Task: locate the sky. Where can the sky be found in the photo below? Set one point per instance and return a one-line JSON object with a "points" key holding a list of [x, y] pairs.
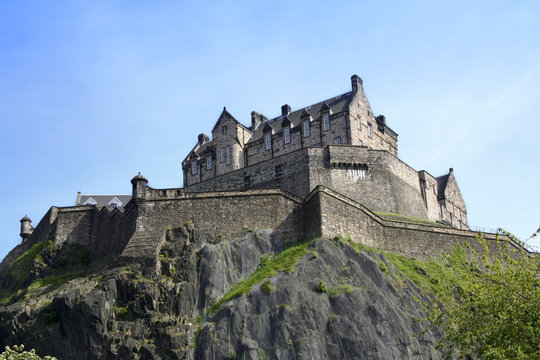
{"points": [[93, 92]]}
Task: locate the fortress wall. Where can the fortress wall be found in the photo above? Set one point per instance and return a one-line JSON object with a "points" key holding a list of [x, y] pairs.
{"points": [[227, 214], [387, 185], [73, 225], [41, 232], [343, 216], [288, 172], [111, 231]]}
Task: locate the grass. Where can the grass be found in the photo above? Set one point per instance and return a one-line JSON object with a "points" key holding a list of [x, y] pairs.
{"points": [[284, 261], [43, 284], [340, 289], [267, 288], [434, 276], [31, 261]]}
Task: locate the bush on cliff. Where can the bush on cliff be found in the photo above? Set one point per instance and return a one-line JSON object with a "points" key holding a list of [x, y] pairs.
{"points": [[496, 312], [18, 353]]}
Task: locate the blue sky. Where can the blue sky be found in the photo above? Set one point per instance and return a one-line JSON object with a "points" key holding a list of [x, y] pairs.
{"points": [[93, 92]]}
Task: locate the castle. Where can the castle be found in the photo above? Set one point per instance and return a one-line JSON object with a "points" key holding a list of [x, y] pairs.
{"points": [[337, 143], [326, 169]]}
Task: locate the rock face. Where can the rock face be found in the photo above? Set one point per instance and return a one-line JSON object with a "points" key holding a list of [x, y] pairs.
{"points": [[337, 303]]}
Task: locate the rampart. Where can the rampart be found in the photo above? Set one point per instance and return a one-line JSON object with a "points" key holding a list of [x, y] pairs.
{"points": [[136, 233]]}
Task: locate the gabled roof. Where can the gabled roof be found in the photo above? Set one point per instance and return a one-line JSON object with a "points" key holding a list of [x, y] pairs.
{"points": [[336, 104], [103, 200], [226, 114]]}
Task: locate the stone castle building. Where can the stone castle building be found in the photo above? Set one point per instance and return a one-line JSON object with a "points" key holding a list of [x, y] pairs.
{"points": [[323, 170], [337, 143]]}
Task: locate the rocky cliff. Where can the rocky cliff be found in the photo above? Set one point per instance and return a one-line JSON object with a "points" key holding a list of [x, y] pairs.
{"points": [[254, 297]]}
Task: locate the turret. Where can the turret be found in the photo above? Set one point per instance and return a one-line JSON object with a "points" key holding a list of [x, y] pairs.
{"points": [[139, 187], [26, 227]]}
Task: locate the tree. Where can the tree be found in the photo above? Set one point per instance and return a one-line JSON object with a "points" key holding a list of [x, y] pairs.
{"points": [[18, 353], [496, 314]]}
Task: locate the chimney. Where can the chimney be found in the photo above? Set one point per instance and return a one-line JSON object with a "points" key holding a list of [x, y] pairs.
{"points": [[256, 119], [203, 138], [356, 82], [285, 110]]}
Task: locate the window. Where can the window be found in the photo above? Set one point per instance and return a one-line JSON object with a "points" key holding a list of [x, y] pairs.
{"points": [[306, 128], [194, 167], [278, 171], [222, 155], [208, 163], [268, 141], [229, 155], [359, 124], [360, 142], [224, 129], [337, 140], [326, 121], [287, 134], [369, 130]]}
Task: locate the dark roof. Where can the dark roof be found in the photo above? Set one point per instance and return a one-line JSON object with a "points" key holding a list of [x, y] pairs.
{"points": [[336, 104], [103, 200]]}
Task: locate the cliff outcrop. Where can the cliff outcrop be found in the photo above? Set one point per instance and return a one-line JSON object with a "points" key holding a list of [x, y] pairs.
{"points": [[258, 296]]}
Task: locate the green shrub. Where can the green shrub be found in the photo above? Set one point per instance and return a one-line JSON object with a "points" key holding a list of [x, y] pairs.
{"points": [[267, 288], [322, 287]]}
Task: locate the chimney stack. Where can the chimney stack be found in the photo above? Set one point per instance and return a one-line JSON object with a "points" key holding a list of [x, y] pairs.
{"points": [[203, 138], [285, 110], [356, 82]]}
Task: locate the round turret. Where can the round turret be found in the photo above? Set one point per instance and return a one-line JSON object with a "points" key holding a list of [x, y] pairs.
{"points": [[26, 227], [139, 187]]}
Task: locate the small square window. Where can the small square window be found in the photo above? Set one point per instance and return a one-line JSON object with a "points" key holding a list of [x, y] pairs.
{"points": [[278, 171], [337, 140]]}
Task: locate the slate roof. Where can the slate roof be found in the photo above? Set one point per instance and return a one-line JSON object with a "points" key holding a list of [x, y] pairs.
{"points": [[336, 104], [442, 181], [103, 200]]}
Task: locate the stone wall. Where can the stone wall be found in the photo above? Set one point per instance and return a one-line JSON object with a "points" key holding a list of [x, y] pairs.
{"points": [[375, 178], [288, 172], [343, 216]]}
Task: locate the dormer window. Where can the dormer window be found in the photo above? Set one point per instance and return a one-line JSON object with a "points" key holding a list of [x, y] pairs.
{"points": [[306, 128], [287, 134], [326, 121], [268, 141], [115, 202], [209, 163], [194, 167]]}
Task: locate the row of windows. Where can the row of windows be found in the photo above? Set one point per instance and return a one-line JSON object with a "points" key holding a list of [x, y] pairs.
{"points": [[225, 156], [307, 132]]}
